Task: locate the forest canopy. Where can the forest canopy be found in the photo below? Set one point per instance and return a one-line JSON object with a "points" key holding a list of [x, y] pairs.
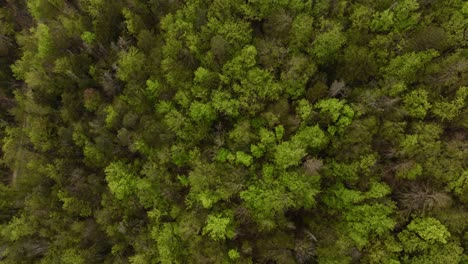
{"points": [[229, 131]]}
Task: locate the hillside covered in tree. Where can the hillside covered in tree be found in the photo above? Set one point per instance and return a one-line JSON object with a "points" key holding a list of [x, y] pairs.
{"points": [[234, 131]]}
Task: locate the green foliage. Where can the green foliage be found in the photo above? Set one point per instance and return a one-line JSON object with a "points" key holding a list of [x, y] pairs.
{"points": [[328, 43], [130, 64], [233, 254], [295, 78], [266, 203], [460, 186], [302, 187], [74, 205], [383, 21], [93, 155], [405, 67], [233, 131], [367, 219], [209, 184], [385, 250], [167, 244], [71, 256], [134, 22], [409, 171], [429, 229], [288, 154], [450, 110], [17, 228], [430, 239], [40, 134], [423, 232], [361, 17], [120, 179], [247, 80], [88, 37], [301, 31], [416, 103], [340, 113], [44, 41], [399, 18], [451, 253], [340, 197], [405, 14], [352, 172], [219, 227], [223, 102], [243, 158], [202, 112], [423, 143]]}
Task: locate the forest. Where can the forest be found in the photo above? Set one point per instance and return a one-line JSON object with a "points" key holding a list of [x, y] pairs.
{"points": [[233, 131]]}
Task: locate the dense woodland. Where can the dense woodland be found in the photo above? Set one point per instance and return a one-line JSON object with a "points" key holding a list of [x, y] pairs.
{"points": [[234, 131]]}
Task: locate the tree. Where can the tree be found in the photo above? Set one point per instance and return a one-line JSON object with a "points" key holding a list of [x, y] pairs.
{"points": [[219, 227], [130, 65], [328, 43], [426, 239], [416, 103], [406, 66], [450, 110], [340, 113], [301, 32], [121, 180]]}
